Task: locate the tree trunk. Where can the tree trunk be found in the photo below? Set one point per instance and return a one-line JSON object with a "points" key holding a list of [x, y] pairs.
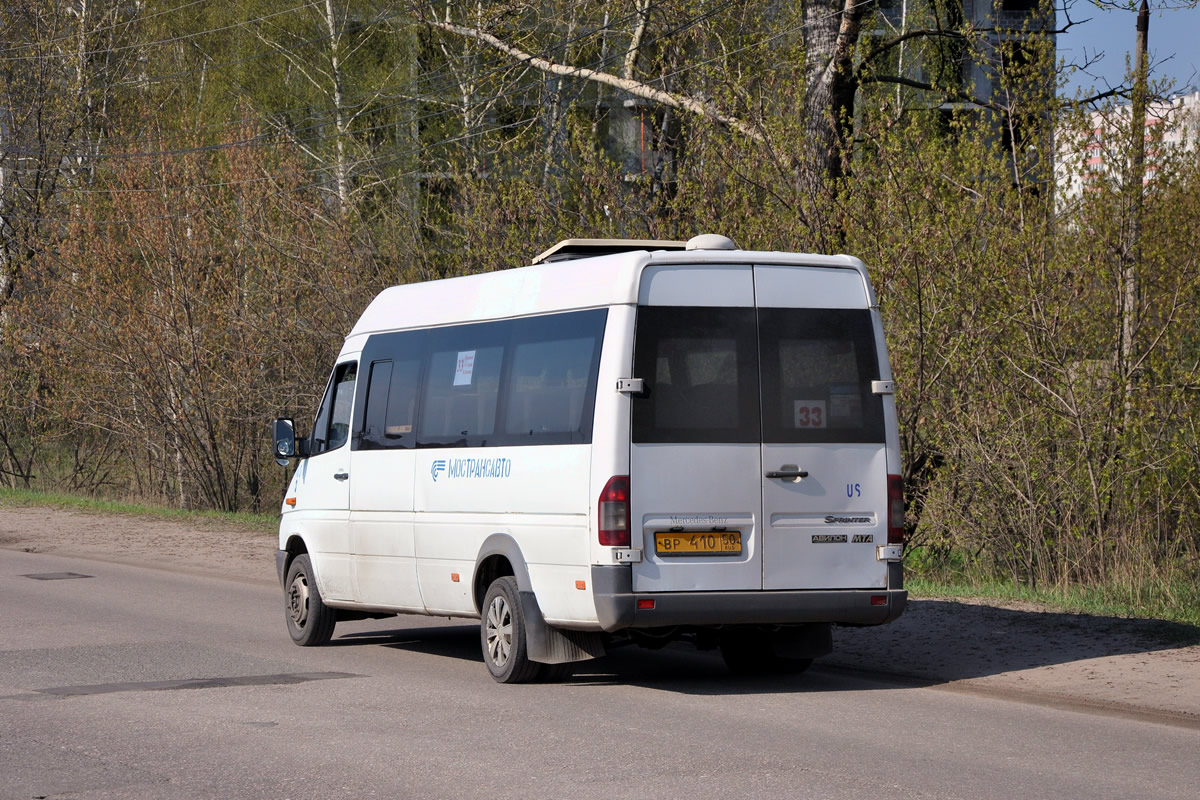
{"points": [[831, 32], [341, 170], [1135, 185]]}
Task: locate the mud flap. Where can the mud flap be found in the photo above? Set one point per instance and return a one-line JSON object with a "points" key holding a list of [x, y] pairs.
{"points": [[549, 645]]}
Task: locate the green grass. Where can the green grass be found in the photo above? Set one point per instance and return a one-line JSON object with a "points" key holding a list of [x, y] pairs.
{"points": [[25, 498], [1175, 601]]}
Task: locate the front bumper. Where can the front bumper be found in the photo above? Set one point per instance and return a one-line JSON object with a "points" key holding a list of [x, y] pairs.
{"points": [[617, 605]]}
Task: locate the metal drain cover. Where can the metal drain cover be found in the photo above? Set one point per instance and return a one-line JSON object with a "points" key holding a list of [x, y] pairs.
{"points": [[56, 576]]}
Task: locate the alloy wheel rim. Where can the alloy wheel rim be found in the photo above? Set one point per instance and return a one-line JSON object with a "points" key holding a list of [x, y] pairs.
{"points": [[498, 630]]}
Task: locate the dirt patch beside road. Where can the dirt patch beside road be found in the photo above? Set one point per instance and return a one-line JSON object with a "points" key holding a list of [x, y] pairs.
{"points": [[1072, 659], [1139, 666], [206, 548]]}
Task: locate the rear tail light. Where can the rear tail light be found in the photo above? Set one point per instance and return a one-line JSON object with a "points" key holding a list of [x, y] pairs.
{"points": [[613, 512], [895, 509]]}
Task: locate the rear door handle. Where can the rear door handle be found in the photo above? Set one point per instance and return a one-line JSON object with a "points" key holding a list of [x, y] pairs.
{"points": [[341, 476], [788, 473]]}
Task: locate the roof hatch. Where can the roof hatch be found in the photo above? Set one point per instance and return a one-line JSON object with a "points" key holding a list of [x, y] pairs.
{"points": [[569, 249], [586, 248]]}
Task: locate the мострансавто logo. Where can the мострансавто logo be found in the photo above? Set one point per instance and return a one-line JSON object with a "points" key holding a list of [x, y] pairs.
{"points": [[472, 468]]}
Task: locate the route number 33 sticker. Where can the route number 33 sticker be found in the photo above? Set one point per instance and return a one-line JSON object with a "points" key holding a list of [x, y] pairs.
{"points": [[810, 413]]}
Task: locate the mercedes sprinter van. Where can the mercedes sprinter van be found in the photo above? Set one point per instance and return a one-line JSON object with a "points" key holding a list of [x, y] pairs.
{"points": [[629, 441]]}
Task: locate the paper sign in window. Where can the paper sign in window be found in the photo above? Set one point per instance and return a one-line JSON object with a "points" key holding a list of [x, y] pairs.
{"points": [[464, 368], [845, 404]]}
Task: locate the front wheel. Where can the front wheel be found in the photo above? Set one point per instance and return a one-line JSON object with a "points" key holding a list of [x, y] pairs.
{"points": [[502, 634], [310, 622]]}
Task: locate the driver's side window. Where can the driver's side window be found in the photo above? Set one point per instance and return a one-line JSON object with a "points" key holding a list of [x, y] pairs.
{"points": [[331, 429]]}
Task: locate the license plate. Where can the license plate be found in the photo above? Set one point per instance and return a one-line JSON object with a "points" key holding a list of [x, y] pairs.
{"points": [[698, 543]]}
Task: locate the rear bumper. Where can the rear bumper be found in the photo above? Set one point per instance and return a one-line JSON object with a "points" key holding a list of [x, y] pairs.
{"points": [[616, 605]]}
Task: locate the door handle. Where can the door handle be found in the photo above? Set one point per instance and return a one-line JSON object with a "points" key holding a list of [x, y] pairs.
{"points": [[341, 476], [793, 474]]}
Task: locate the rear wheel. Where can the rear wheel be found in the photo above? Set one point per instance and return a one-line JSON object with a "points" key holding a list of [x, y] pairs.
{"points": [[750, 652], [310, 622], [502, 634]]}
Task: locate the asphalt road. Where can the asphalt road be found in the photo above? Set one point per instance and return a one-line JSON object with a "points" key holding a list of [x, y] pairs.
{"points": [[139, 683]]}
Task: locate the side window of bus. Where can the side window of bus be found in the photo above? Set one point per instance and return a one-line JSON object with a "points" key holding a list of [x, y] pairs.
{"points": [[548, 386], [461, 391], [379, 385], [332, 427], [390, 416], [485, 384]]}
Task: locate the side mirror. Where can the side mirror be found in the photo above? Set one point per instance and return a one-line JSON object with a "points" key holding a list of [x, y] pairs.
{"points": [[283, 437]]}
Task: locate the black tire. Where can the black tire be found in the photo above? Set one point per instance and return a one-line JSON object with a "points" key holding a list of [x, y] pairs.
{"points": [[502, 634], [310, 622], [749, 652]]}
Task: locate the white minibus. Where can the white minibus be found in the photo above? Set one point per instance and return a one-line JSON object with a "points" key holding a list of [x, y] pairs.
{"points": [[627, 442]]}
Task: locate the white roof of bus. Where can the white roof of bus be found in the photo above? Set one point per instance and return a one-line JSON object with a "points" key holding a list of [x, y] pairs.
{"points": [[594, 282]]}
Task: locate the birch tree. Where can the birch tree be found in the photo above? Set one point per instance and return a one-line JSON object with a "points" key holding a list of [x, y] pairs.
{"points": [[353, 59]]}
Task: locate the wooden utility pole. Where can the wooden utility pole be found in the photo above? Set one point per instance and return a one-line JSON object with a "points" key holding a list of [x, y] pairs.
{"points": [[1135, 183]]}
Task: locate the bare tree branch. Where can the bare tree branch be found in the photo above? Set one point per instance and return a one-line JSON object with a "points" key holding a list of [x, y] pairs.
{"points": [[929, 87], [636, 88]]}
